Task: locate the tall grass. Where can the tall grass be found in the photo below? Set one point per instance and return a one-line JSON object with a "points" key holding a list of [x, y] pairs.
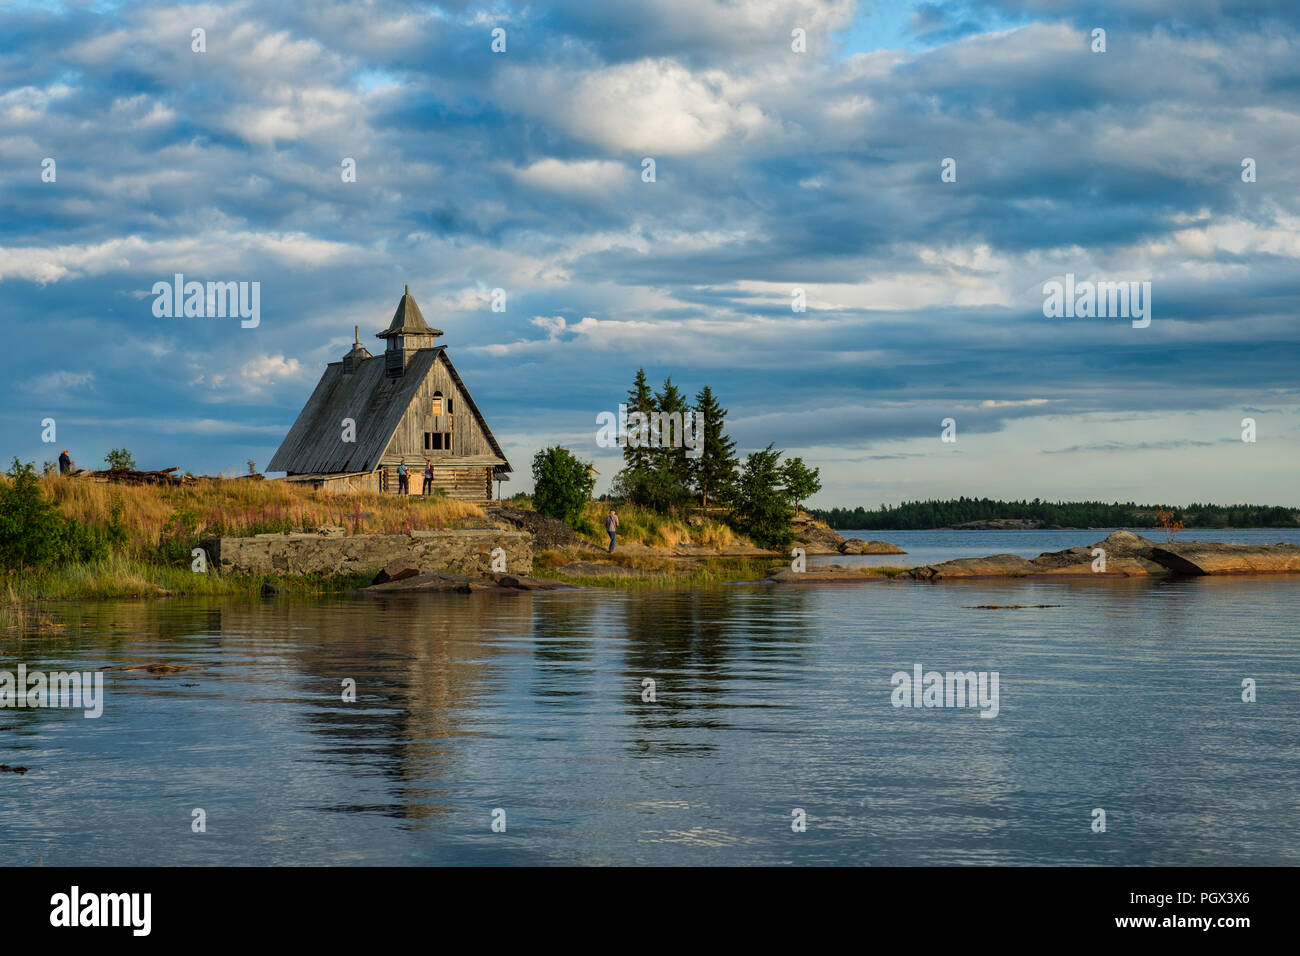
{"points": [[118, 576], [151, 530], [154, 515], [638, 525]]}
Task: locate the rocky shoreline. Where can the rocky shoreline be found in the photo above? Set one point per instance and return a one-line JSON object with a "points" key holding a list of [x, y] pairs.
{"points": [[408, 578], [1125, 555], [817, 537]]}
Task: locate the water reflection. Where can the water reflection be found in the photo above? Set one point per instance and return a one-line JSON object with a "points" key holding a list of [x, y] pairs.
{"points": [[1122, 693]]}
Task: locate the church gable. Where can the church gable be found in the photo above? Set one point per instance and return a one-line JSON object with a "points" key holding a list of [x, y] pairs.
{"points": [[368, 411], [442, 423]]}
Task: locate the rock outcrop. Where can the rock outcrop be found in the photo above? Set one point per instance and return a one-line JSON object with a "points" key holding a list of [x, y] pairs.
{"points": [[1126, 555], [829, 575], [396, 571], [858, 546], [443, 581], [1202, 557], [815, 537], [993, 566]]}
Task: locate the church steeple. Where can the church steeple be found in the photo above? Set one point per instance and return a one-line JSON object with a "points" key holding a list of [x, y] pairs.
{"points": [[406, 334]]}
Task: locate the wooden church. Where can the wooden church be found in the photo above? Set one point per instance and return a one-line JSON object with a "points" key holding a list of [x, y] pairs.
{"points": [[407, 405]]}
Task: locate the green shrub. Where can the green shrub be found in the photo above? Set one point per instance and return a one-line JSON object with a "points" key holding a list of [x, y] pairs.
{"points": [[761, 505], [34, 533], [120, 458], [561, 484], [179, 536]]}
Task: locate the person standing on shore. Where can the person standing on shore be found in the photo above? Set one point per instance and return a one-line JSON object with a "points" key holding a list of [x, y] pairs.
{"points": [[65, 463], [428, 477], [403, 479], [611, 525]]}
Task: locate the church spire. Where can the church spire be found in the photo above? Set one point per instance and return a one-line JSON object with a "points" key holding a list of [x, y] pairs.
{"points": [[406, 334]]}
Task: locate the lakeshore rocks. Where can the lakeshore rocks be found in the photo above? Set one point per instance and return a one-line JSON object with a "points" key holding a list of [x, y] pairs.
{"points": [[1127, 555], [828, 575], [815, 537], [443, 581], [1202, 557], [858, 546], [462, 551], [993, 566], [396, 571]]}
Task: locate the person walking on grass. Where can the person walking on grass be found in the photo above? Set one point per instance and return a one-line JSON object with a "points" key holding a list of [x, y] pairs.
{"points": [[611, 525], [65, 463], [403, 479], [428, 477]]}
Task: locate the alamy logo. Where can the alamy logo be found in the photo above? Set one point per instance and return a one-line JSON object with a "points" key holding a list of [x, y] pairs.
{"points": [[953, 689], [1103, 300], [216, 300], [103, 909], [652, 430], [58, 689]]}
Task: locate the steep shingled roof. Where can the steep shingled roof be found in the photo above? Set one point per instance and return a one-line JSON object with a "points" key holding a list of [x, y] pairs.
{"points": [[376, 403]]}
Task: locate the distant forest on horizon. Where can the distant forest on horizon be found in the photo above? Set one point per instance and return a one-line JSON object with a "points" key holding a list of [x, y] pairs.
{"points": [[924, 515]]}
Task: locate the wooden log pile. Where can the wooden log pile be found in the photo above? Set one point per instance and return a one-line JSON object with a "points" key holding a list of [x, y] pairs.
{"points": [[126, 476]]}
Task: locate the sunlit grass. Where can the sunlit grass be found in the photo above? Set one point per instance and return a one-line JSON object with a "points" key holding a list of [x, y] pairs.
{"points": [[239, 507]]}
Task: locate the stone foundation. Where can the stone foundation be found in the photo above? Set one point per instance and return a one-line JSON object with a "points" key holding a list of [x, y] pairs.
{"points": [[460, 552]]}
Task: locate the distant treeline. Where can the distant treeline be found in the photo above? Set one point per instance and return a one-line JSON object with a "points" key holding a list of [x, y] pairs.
{"points": [[918, 515]]}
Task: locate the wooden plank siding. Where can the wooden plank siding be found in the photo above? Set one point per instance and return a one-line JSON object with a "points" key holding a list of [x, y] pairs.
{"points": [[468, 435], [468, 483]]}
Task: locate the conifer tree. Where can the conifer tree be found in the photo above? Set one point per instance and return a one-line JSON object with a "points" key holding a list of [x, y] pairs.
{"points": [[639, 399], [713, 473]]}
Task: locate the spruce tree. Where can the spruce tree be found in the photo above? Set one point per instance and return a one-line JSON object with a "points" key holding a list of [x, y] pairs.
{"points": [[673, 467], [760, 504], [713, 473], [639, 399], [634, 481]]}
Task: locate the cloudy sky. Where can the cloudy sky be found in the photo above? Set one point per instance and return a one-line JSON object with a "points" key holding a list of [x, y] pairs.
{"points": [[775, 170]]}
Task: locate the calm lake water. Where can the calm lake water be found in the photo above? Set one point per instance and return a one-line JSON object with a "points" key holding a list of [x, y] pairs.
{"points": [[1126, 696]]}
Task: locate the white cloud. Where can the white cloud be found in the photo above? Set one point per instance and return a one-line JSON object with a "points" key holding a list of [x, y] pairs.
{"points": [[654, 106], [591, 176], [60, 382]]}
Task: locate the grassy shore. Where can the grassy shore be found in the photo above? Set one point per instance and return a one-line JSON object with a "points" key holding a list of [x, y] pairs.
{"points": [[650, 571], [641, 526], [155, 527], [155, 516]]}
